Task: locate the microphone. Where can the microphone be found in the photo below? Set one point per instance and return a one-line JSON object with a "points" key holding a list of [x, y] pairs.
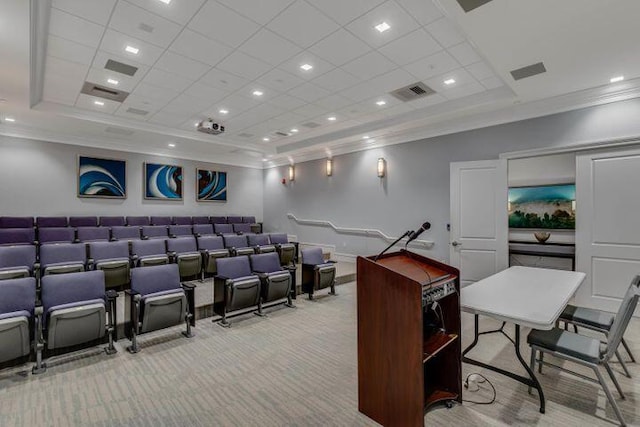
{"points": [[414, 234]]}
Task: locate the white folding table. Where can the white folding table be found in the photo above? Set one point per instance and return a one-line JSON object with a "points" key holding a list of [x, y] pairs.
{"points": [[524, 296]]}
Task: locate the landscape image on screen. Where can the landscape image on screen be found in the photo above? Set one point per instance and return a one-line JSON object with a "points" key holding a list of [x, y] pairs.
{"points": [[548, 207]]}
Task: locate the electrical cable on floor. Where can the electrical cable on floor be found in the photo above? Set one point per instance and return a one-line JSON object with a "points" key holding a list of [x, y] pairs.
{"points": [[484, 379]]}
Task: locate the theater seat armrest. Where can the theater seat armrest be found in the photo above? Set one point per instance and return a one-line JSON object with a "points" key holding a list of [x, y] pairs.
{"points": [[145, 238], [91, 264], [113, 239], [331, 261], [188, 286], [172, 256], [38, 311], [172, 236], [111, 294], [197, 234], [223, 278], [131, 292]]}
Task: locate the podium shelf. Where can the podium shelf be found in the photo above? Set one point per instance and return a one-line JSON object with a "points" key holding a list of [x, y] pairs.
{"points": [[436, 343], [438, 396]]}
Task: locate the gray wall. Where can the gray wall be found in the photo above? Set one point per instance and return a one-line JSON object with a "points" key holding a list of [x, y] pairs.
{"points": [[417, 185], [40, 178]]}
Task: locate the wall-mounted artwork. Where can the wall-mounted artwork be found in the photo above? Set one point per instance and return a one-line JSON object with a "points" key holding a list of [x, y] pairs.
{"points": [[104, 178], [211, 186], [162, 182], [547, 206]]}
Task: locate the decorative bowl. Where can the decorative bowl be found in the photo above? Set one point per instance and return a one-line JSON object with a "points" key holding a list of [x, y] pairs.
{"points": [[542, 236]]}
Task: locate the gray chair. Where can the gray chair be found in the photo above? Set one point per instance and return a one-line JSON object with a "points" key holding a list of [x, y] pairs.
{"points": [[286, 250], [316, 272], [261, 243], [155, 232], [157, 300], [202, 229], [235, 287], [18, 261], [149, 252], [112, 258], [16, 222], [62, 258], [242, 228], [184, 252], [237, 245], [161, 220], [93, 234], [50, 235], [180, 231], [587, 351], [128, 233], [275, 281], [17, 305], [182, 220], [83, 221], [212, 248], [223, 228], [17, 236], [112, 221], [75, 310], [138, 221]]}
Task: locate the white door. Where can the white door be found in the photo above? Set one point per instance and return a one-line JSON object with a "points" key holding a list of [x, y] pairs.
{"points": [[607, 231], [479, 223]]}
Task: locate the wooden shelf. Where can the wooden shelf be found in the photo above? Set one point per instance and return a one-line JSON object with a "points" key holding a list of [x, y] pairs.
{"points": [[435, 343], [438, 396]]}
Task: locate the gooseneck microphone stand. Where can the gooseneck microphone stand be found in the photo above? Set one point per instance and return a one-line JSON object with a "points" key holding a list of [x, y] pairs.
{"points": [[392, 244]]}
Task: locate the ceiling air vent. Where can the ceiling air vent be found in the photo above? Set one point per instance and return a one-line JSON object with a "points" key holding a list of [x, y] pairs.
{"points": [[245, 135], [311, 125], [145, 27], [469, 5], [121, 68], [119, 131], [281, 133], [528, 71], [104, 92], [137, 111], [413, 91]]}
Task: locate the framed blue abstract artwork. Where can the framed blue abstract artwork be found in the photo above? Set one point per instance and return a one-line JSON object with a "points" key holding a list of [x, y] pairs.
{"points": [[211, 186], [162, 182], [546, 207], [105, 178]]}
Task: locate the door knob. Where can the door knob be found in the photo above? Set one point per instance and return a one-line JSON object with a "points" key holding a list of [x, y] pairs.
{"points": [[454, 243]]}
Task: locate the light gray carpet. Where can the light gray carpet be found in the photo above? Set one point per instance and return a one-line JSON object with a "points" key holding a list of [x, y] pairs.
{"points": [[294, 368]]}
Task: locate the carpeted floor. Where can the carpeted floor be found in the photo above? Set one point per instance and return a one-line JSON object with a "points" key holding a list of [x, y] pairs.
{"points": [[296, 367]]}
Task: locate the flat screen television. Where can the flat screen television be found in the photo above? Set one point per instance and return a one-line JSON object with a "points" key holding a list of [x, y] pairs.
{"points": [[551, 207]]}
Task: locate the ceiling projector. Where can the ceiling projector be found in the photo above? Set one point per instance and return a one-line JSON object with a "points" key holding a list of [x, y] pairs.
{"points": [[210, 127]]}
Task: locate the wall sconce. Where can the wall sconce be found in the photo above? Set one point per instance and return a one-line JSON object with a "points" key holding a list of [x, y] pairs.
{"points": [[382, 167], [292, 173], [329, 167]]}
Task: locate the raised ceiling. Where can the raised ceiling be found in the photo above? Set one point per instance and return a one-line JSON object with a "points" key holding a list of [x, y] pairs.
{"points": [[180, 62]]}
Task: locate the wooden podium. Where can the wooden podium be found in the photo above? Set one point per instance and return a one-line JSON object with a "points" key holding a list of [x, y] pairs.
{"points": [[406, 362]]}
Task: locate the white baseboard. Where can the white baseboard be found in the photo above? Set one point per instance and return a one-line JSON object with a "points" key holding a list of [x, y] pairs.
{"points": [[344, 257]]}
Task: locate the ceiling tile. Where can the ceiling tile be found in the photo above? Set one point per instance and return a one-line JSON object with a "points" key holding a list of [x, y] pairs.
{"points": [[201, 90], [395, 110], [61, 88], [360, 92], [491, 82], [343, 11], [302, 24], [369, 65], [445, 33], [71, 27], [411, 47], [462, 91], [146, 103], [336, 80], [320, 66], [261, 11], [176, 11], [351, 112], [424, 11], [170, 81], [340, 47], [264, 112], [87, 102], [97, 11], [66, 68], [116, 42], [464, 53], [168, 119], [101, 76], [139, 106], [196, 46], [461, 76], [433, 65], [391, 81], [243, 65], [427, 101], [69, 50], [182, 66], [279, 80], [163, 95], [309, 92], [220, 23], [333, 102], [287, 102], [238, 104], [103, 57], [288, 121], [269, 47], [188, 103], [144, 25], [310, 110], [223, 80], [480, 70], [390, 12]]}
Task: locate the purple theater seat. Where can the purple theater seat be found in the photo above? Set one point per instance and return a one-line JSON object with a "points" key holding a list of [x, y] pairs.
{"points": [[17, 261], [242, 228], [182, 220], [185, 253], [249, 219], [56, 235], [149, 252], [200, 220], [112, 221], [155, 232], [125, 232], [17, 236], [51, 221], [223, 228], [138, 220], [234, 220], [113, 259], [161, 220], [202, 229], [83, 221], [218, 219], [17, 304], [16, 222], [180, 230], [93, 234], [62, 258]]}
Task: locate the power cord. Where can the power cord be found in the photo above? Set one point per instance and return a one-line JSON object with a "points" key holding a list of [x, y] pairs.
{"points": [[484, 379]]}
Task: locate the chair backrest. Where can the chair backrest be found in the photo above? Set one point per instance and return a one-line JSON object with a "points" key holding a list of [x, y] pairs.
{"points": [[223, 228], [59, 289], [125, 232], [160, 220], [182, 220], [235, 241], [93, 234], [153, 279], [17, 295], [138, 220], [56, 235], [62, 252], [18, 256], [218, 219], [235, 267], [623, 316], [83, 221], [155, 231], [258, 239], [200, 220], [312, 256], [112, 221], [17, 236], [100, 251], [234, 219], [278, 238], [148, 247], [51, 221], [180, 230], [16, 222], [242, 228], [265, 263], [182, 245], [202, 229], [210, 242], [249, 219]]}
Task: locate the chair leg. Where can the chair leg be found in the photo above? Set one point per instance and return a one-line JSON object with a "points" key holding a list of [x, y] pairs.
{"points": [[609, 396], [224, 322], [575, 328], [133, 348], [614, 379], [259, 312], [626, 347], [40, 367], [333, 288], [623, 365], [187, 319], [532, 364], [540, 362]]}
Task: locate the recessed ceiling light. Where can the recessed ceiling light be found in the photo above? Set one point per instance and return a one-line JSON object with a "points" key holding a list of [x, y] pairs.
{"points": [[264, 160], [132, 49], [196, 124], [112, 81], [617, 79], [294, 130], [100, 103], [370, 140], [449, 81], [166, 1], [223, 111], [382, 27], [266, 139], [381, 102], [9, 119], [306, 67], [365, 137], [258, 93], [172, 145], [331, 119]]}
